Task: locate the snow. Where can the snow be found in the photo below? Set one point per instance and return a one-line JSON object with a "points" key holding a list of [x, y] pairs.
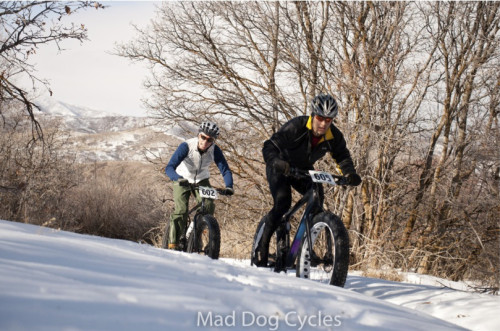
{"points": [[468, 309], [56, 280]]}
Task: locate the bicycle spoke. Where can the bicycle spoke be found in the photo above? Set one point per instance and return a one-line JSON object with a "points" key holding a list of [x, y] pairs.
{"points": [[328, 260], [319, 266]]}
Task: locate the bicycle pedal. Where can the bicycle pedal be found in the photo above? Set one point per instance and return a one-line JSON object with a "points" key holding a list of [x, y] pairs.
{"points": [[257, 260]]}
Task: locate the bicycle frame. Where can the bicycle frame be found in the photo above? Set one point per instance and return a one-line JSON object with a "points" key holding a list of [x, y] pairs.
{"points": [[292, 251], [320, 247], [200, 209], [304, 229]]}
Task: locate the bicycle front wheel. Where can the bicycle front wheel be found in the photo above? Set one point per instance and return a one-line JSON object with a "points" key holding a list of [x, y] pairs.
{"points": [[329, 259], [206, 241]]}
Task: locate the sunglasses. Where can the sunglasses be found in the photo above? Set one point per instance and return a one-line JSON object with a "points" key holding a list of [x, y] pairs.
{"points": [[323, 119], [206, 138]]}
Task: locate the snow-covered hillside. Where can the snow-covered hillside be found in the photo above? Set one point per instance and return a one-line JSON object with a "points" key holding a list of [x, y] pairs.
{"points": [[52, 106], [100, 136], [56, 280], [85, 120]]}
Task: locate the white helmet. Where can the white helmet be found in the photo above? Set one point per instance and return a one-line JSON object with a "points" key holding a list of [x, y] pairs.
{"points": [[210, 129]]}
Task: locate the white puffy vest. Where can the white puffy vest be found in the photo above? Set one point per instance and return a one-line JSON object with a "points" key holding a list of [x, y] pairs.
{"points": [[195, 166]]}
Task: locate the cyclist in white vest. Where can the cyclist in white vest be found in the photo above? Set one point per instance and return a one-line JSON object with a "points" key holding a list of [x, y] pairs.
{"points": [[190, 165]]}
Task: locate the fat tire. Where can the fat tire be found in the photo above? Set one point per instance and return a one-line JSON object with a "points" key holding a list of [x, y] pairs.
{"points": [[272, 248], [209, 223], [256, 238], [332, 225]]}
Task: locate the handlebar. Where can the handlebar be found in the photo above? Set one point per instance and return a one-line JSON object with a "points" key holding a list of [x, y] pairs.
{"points": [[220, 191], [301, 173]]}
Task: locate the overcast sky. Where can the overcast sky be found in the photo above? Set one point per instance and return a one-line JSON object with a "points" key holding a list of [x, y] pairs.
{"points": [[87, 74]]}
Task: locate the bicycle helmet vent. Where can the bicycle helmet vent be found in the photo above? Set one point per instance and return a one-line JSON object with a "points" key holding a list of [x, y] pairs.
{"points": [[324, 105], [210, 129]]}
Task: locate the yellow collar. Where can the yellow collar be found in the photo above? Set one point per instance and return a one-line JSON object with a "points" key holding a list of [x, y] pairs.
{"points": [[328, 135]]}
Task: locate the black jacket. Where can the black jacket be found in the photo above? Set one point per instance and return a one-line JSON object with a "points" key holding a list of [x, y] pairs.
{"points": [[292, 143]]}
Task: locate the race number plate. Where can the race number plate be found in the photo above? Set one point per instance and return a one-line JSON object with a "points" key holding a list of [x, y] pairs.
{"points": [[208, 192], [321, 177]]}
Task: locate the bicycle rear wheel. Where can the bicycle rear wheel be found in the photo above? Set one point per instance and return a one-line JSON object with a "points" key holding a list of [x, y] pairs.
{"points": [[207, 241], [329, 262], [271, 260]]}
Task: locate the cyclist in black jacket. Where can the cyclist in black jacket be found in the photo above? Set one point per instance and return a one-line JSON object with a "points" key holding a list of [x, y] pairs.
{"points": [[299, 143]]}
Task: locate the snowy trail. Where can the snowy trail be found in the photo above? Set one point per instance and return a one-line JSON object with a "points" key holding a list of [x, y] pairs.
{"points": [[56, 280]]}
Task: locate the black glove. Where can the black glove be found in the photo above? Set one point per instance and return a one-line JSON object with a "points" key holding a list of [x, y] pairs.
{"points": [[353, 179], [228, 191], [183, 182], [281, 166]]}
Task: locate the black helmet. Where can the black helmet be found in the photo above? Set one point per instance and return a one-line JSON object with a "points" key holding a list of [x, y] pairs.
{"points": [[210, 129], [324, 105]]}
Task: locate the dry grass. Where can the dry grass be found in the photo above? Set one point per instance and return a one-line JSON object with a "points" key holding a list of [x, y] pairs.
{"points": [[388, 274]]}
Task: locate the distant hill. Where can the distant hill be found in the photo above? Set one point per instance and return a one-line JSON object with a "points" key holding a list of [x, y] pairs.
{"points": [[52, 106], [101, 136]]}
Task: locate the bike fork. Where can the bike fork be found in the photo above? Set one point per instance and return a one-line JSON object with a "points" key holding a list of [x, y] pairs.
{"points": [[308, 219], [198, 214], [308, 236]]}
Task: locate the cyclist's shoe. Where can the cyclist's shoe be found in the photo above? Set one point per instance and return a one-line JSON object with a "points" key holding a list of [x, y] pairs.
{"points": [[259, 259], [182, 243], [281, 253], [258, 262], [279, 269], [280, 264]]}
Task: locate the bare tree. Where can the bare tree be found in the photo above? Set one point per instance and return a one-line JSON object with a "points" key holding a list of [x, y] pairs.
{"points": [[466, 48], [25, 26], [241, 64], [36, 175], [382, 66], [414, 83]]}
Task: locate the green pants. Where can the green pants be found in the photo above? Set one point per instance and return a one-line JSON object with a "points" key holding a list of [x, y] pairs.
{"points": [[179, 217]]}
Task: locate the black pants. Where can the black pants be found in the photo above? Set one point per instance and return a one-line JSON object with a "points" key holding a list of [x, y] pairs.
{"points": [[281, 191]]}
